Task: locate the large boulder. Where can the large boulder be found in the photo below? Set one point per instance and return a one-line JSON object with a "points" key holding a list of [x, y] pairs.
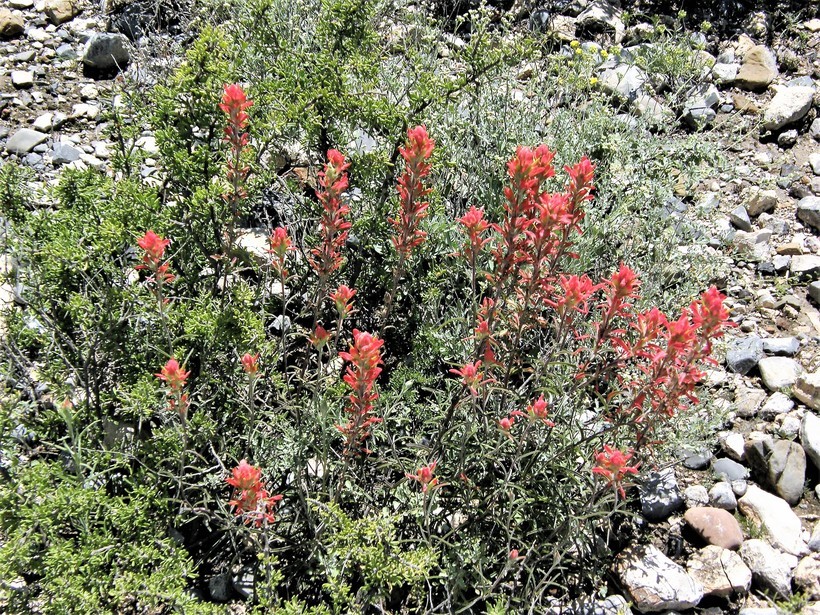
{"points": [[776, 517], [720, 571]]}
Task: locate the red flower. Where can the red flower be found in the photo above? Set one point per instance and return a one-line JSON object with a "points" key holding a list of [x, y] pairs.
{"points": [[538, 410], [611, 464], [576, 293], [250, 363], [154, 247], [471, 376], [279, 242], [173, 375], [234, 103], [342, 297], [506, 423], [245, 477], [424, 475], [319, 337], [412, 206]]}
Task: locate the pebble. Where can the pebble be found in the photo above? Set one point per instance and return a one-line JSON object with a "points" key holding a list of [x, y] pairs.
{"points": [[744, 354], [781, 346], [808, 211], [722, 496], [22, 79], [695, 496], [778, 403]]}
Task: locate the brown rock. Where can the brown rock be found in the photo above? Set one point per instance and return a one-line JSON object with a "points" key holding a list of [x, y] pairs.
{"points": [[60, 11], [758, 70], [807, 577], [716, 526], [11, 25], [807, 389], [720, 571]]}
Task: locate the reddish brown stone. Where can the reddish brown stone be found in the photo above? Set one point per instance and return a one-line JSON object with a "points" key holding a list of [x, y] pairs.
{"points": [[716, 526]]}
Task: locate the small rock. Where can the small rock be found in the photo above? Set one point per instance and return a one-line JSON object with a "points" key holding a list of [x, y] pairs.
{"points": [[660, 495], [771, 570], [778, 403], [788, 106], [806, 577], [739, 488], [814, 162], [814, 541], [740, 218], [814, 129], [11, 24], [810, 437], [760, 201], [624, 79], [786, 139], [601, 17], [720, 571], [807, 390], [219, 586], [716, 526], [748, 401], [733, 445], [814, 292], [63, 154], [779, 372], [722, 496], [24, 140], [724, 74], [781, 346], [787, 470], [727, 469], [654, 582], [808, 211], [758, 70], [44, 122], [22, 79], [776, 517], [105, 51], [695, 496], [60, 11], [744, 354]]}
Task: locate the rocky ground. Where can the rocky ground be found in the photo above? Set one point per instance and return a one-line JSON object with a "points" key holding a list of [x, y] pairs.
{"points": [[730, 523]]}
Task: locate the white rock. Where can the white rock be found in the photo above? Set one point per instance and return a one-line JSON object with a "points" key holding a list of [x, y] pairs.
{"points": [[779, 372], [720, 571], [788, 106], [814, 162], [778, 403], [654, 582], [771, 570], [776, 518], [806, 577], [44, 122], [810, 437], [807, 390], [733, 445], [22, 79]]}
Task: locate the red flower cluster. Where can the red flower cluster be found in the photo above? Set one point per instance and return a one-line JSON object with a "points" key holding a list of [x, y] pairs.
{"points": [[250, 364], [333, 227], [175, 378], [412, 207], [153, 247], [319, 337], [251, 499], [537, 411], [471, 377], [424, 476], [279, 245], [611, 464], [361, 374], [342, 299], [234, 104]]}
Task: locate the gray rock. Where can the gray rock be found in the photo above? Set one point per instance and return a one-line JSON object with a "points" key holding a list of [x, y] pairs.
{"points": [[695, 496], [601, 17], [654, 582], [720, 571], [24, 140], [624, 79], [727, 469], [814, 541], [696, 460], [778, 403], [808, 211], [105, 51], [744, 354], [814, 291], [814, 162], [781, 263], [810, 438], [22, 79], [788, 106], [62, 153], [725, 74], [758, 70], [722, 496], [740, 218], [67, 51], [776, 517], [698, 110], [739, 488], [807, 390], [781, 346], [651, 109], [771, 570], [660, 495], [814, 129], [243, 582], [779, 372], [787, 470], [219, 587]]}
